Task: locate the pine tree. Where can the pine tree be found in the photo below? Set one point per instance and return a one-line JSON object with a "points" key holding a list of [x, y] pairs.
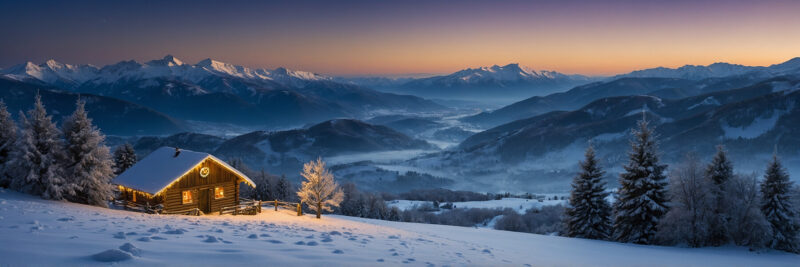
{"points": [[319, 190], [588, 214], [263, 190], [124, 158], [642, 199], [8, 139], [777, 207], [88, 161], [282, 188], [720, 171], [39, 154]]}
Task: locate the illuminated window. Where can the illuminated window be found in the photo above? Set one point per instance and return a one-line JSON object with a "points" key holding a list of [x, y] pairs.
{"points": [[134, 196], [219, 192], [187, 197]]}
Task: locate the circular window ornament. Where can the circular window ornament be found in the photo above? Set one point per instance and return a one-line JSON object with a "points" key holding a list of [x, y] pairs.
{"points": [[204, 172]]}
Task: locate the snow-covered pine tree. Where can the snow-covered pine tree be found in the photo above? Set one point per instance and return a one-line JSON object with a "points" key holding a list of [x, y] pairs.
{"points": [[124, 158], [282, 188], [319, 190], [777, 207], [8, 139], [39, 155], [720, 171], [588, 214], [263, 190], [88, 165], [642, 198]]}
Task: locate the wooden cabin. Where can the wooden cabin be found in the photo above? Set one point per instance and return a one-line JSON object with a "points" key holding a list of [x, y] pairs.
{"points": [[181, 180]]}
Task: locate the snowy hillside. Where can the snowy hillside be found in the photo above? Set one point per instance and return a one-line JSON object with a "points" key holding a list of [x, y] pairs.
{"points": [[39, 232]]}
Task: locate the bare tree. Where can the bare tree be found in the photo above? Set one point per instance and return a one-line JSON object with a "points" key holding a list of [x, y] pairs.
{"points": [[319, 190], [690, 219]]}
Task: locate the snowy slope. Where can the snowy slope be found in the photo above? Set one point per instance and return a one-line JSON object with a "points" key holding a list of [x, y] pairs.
{"points": [[39, 232]]}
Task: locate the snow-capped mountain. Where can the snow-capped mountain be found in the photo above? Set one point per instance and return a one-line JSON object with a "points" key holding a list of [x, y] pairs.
{"points": [[716, 70], [496, 82], [215, 91], [750, 121], [52, 72], [661, 82]]}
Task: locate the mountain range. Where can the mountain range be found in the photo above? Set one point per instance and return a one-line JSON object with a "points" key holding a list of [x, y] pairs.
{"points": [[496, 83], [214, 91], [665, 83]]}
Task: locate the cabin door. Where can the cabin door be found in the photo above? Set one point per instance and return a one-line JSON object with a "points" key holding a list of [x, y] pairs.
{"points": [[204, 202]]}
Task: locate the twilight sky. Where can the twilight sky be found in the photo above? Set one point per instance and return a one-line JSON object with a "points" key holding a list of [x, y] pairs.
{"points": [[404, 37]]}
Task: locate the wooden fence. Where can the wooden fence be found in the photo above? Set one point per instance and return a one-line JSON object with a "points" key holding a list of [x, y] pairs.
{"points": [[286, 205], [133, 206], [245, 207]]}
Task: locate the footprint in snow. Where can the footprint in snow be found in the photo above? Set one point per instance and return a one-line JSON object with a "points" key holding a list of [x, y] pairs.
{"points": [[487, 251], [143, 239], [327, 239], [112, 255], [178, 231], [338, 251], [264, 235], [310, 237], [253, 236], [119, 235], [334, 233], [273, 241], [211, 239], [130, 248], [300, 243], [157, 238], [312, 243], [394, 237], [65, 219]]}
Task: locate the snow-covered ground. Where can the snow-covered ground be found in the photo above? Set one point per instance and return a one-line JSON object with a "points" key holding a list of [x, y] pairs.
{"points": [[520, 205], [39, 232]]}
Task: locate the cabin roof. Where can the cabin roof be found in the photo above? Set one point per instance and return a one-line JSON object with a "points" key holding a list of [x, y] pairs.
{"points": [[161, 168]]}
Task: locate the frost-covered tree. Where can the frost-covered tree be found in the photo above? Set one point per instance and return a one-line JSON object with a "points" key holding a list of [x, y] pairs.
{"points": [[777, 207], [124, 158], [719, 171], [642, 198], [39, 155], [588, 214], [691, 216], [8, 139], [88, 165], [282, 188], [319, 190], [746, 224]]}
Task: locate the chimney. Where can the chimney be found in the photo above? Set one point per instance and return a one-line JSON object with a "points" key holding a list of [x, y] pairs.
{"points": [[177, 152]]}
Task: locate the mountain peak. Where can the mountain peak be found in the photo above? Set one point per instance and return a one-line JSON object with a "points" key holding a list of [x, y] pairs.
{"points": [[168, 60]]}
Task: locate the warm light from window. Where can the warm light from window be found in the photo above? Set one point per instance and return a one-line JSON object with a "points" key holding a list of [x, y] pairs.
{"points": [[187, 197], [219, 192], [134, 196]]}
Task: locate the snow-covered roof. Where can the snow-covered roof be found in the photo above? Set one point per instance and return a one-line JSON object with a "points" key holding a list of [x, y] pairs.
{"points": [[161, 168]]}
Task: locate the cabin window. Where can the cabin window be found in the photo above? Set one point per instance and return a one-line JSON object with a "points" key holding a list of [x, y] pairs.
{"points": [[219, 192], [134, 196], [187, 197]]}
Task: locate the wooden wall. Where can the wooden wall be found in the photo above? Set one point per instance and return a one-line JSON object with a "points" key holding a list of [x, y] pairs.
{"points": [[219, 176]]}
